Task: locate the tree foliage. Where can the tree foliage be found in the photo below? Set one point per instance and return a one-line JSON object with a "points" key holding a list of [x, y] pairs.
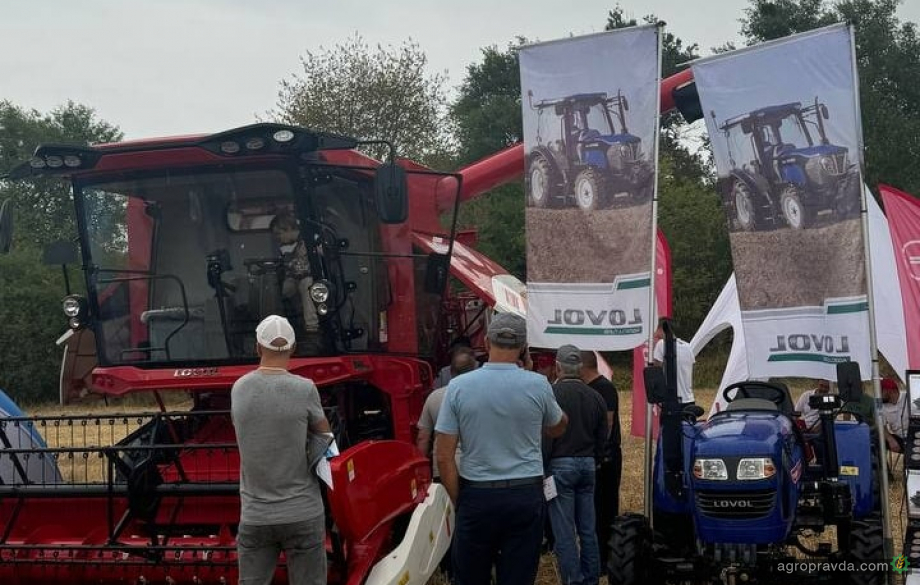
{"points": [[888, 60], [44, 207], [382, 93]]}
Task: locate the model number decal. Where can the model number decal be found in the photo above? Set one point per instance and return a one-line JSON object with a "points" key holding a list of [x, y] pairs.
{"points": [[194, 372]]}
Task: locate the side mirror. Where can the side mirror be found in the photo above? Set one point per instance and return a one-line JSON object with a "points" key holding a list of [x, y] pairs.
{"points": [[824, 112], [625, 103], [849, 381], [656, 388], [60, 253], [391, 192], [437, 270], [6, 226]]}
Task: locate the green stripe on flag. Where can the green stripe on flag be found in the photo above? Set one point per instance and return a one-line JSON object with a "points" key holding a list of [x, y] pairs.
{"points": [[593, 330], [809, 357], [627, 284], [851, 308]]}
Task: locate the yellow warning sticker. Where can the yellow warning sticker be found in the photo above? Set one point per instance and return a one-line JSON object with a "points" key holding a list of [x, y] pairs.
{"points": [[351, 469], [849, 470], [404, 579]]}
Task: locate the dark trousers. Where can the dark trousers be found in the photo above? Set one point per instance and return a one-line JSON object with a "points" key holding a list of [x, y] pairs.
{"points": [[501, 527], [607, 500]]}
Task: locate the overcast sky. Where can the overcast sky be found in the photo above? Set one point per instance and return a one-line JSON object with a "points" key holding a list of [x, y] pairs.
{"points": [[161, 67]]}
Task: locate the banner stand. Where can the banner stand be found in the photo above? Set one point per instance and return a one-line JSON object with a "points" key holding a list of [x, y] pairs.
{"points": [[653, 299], [888, 543]]}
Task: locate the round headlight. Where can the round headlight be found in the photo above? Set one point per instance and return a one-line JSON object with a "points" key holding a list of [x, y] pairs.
{"points": [[54, 161], [72, 161], [37, 163], [283, 136], [74, 323], [72, 306], [322, 309], [319, 292], [255, 143], [229, 147]]}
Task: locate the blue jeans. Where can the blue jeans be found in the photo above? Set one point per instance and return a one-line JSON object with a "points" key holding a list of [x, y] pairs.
{"points": [[571, 513]]}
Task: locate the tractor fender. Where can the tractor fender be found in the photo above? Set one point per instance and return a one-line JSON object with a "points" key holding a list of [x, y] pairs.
{"points": [[760, 188], [550, 157]]}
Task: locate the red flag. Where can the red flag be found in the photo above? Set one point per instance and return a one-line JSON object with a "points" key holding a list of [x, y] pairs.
{"points": [[903, 212], [640, 354]]}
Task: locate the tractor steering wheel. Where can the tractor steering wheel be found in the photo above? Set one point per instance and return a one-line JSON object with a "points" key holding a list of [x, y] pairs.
{"points": [[772, 392]]}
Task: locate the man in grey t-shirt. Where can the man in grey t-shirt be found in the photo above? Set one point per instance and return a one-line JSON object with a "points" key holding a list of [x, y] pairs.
{"points": [[274, 413]]}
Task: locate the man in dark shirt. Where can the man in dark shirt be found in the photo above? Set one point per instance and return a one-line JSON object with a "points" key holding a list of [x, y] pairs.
{"points": [[572, 460], [608, 473]]}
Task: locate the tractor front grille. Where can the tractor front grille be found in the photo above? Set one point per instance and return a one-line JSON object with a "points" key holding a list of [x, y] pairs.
{"points": [[736, 505]]}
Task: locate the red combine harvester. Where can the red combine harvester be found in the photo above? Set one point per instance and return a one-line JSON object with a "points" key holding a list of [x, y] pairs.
{"points": [[180, 263]]}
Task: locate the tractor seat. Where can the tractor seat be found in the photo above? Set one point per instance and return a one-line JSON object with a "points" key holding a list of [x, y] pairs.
{"points": [[761, 404]]}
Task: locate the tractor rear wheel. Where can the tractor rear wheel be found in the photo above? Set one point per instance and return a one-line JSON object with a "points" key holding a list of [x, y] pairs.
{"points": [[866, 546], [797, 215], [745, 207], [543, 182], [630, 543], [589, 189]]}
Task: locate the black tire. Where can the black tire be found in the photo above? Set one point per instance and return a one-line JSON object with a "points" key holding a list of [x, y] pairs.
{"points": [[797, 214], [630, 544], [589, 189], [866, 545], [745, 205], [542, 182]]}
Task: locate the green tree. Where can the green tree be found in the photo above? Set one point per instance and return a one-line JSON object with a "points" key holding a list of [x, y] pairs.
{"points": [[381, 93], [888, 60], [44, 207], [487, 116]]}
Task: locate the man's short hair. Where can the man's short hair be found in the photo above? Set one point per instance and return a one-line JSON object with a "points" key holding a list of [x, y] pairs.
{"points": [[507, 331], [462, 361], [589, 359]]}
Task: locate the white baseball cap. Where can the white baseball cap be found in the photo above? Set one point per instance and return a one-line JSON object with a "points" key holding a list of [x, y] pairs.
{"points": [[272, 328]]}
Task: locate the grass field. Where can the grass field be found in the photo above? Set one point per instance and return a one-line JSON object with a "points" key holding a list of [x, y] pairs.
{"points": [[631, 491]]}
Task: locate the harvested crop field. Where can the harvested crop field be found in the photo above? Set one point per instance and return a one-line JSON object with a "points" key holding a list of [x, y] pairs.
{"points": [[569, 245], [800, 267]]}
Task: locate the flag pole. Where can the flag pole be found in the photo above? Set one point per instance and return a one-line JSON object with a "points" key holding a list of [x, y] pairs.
{"points": [[888, 545], [653, 313]]}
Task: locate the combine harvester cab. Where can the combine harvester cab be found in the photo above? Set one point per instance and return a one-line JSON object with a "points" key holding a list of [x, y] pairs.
{"points": [[186, 244]]}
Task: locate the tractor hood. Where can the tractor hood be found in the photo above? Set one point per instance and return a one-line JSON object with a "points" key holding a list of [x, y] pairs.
{"points": [[740, 433], [813, 151], [618, 139]]}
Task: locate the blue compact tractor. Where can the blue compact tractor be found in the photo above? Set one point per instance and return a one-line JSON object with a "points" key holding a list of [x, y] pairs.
{"points": [[592, 160], [785, 171], [736, 497]]}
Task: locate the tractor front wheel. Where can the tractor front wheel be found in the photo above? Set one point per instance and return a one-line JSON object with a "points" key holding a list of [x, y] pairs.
{"points": [[797, 215], [630, 544], [866, 546], [543, 180], [589, 189]]}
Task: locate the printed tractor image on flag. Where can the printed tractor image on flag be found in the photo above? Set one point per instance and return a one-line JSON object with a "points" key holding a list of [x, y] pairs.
{"points": [[784, 169], [592, 161]]}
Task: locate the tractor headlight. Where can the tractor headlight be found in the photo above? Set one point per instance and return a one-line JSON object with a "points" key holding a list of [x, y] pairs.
{"points": [[756, 468], [816, 169], [319, 292], [73, 306], [710, 469]]}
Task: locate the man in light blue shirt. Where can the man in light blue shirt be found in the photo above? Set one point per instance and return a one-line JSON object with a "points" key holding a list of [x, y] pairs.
{"points": [[499, 412]]}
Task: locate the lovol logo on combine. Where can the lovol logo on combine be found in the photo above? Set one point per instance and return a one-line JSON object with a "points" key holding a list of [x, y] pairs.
{"points": [[588, 322], [802, 347]]}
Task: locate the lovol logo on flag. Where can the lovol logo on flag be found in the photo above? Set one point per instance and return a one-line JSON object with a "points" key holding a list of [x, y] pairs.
{"points": [[590, 138], [787, 145]]}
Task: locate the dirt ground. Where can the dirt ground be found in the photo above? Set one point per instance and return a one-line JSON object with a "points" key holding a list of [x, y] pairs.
{"points": [[569, 245], [799, 267]]}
